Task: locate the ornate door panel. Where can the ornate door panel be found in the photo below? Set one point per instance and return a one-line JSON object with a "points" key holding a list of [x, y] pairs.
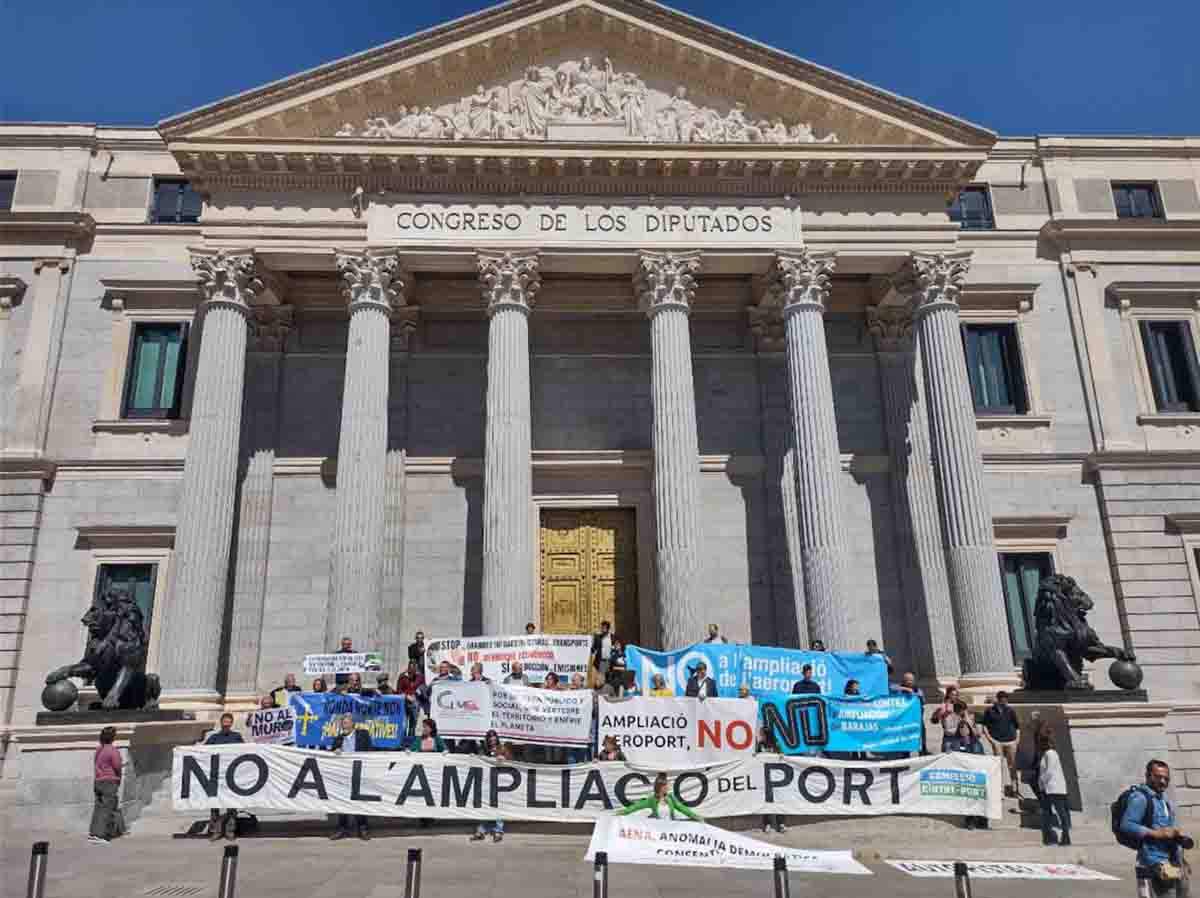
{"points": [[589, 571]]}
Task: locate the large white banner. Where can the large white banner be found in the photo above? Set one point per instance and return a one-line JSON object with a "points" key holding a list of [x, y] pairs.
{"points": [[1000, 870], [407, 784], [672, 843], [679, 732], [565, 655], [467, 710]]}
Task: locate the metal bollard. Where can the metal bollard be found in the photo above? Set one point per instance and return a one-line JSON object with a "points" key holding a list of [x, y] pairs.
{"points": [[37, 870], [228, 885], [600, 876], [783, 888], [412, 877], [962, 880]]}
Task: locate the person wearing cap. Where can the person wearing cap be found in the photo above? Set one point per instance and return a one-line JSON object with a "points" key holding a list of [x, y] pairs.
{"points": [[382, 686]]}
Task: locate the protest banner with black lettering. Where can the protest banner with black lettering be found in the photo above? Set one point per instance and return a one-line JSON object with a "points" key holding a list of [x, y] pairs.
{"points": [[319, 714], [678, 732], [674, 843], [271, 726], [761, 669], [449, 786], [333, 663], [806, 723], [467, 710], [539, 655], [1000, 870]]}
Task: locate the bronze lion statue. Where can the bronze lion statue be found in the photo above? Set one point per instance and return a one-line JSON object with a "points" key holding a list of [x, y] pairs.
{"points": [[1063, 639], [115, 656]]}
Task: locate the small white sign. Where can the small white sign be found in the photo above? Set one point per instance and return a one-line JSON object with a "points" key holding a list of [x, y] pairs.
{"points": [[271, 726], [1000, 870], [673, 226], [333, 663]]}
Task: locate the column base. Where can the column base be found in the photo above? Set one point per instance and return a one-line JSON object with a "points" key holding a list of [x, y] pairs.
{"points": [[980, 688], [240, 701], [207, 704]]}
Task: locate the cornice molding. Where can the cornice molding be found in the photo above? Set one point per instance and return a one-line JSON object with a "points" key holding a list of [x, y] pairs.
{"points": [[1081, 233], [137, 293], [62, 227]]}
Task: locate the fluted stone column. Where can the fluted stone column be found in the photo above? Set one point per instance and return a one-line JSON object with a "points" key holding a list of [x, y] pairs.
{"points": [[12, 289], [665, 284], [195, 612], [509, 281], [375, 284], [979, 615], [914, 495], [799, 284]]}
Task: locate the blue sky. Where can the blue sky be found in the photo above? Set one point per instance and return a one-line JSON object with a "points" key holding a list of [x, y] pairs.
{"points": [[1017, 67]]}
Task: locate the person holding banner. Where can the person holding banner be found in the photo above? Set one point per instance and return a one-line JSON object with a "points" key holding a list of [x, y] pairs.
{"points": [[610, 750], [429, 740], [351, 741], [492, 749], [318, 685], [661, 804], [602, 644], [346, 649], [701, 685], [411, 685], [766, 745]]}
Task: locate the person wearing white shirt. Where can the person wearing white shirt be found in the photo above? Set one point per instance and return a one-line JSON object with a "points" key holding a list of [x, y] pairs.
{"points": [[1052, 783]]}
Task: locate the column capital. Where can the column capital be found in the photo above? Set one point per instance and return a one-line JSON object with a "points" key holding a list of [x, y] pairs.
{"points": [[374, 280], [269, 328], [891, 327], [800, 279], [509, 279], [665, 279], [227, 277], [934, 279]]}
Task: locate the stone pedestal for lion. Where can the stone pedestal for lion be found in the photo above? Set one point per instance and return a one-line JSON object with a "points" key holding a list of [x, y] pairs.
{"points": [[49, 767]]}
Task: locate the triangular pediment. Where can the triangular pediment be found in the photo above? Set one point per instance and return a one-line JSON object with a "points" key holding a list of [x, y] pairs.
{"points": [[575, 71]]}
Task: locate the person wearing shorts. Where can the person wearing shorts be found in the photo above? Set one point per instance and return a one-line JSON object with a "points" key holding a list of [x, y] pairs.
{"points": [[1003, 731]]}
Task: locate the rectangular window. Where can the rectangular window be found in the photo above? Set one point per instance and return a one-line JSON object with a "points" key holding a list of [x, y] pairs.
{"points": [[157, 360], [994, 367], [972, 209], [1020, 574], [8, 186], [1171, 358], [1136, 201], [137, 579], [175, 202]]}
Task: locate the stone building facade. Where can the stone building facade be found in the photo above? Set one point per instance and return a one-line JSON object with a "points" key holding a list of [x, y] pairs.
{"points": [[584, 309]]}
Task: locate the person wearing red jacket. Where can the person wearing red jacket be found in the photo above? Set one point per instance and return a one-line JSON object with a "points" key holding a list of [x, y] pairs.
{"points": [[412, 686]]}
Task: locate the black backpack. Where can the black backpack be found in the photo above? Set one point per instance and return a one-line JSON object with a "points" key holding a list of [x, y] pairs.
{"points": [[1117, 810]]}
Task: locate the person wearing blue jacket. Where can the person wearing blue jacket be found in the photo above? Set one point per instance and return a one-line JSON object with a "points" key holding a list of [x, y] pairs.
{"points": [[1150, 820]]}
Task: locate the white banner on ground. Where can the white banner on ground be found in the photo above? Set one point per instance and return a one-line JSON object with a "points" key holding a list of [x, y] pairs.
{"points": [[643, 840], [333, 663], [448, 786], [679, 732], [565, 655], [1000, 870], [271, 726], [467, 710]]}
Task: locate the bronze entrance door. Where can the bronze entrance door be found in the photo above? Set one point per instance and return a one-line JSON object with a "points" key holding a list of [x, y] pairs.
{"points": [[589, 571]]}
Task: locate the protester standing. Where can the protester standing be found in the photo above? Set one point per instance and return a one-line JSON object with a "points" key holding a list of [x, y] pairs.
{"points": [[491, 749], [806, 685], [700, 685], [351, 741], [429, 740], [873, 649], [602, 650], [610, 750], [530, 629], [411, 685], [416, 652], [382, 686], [908, 686], [714, 634], [946, 715], [280, 695], [661, 803], [217, 825], [1052, 791], [106, 786], [516, 675], [816, 646], [318, 685], [966, 739], [1149, 822], [659, 688], [1003, 732], [347, 648]]}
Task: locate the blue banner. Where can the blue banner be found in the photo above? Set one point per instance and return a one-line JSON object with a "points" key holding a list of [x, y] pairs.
{"points": [[805, 724], [318, 718], [763, 669]]}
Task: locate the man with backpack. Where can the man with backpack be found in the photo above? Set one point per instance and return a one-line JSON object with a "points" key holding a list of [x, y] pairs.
{"points": [[1143, 818]]}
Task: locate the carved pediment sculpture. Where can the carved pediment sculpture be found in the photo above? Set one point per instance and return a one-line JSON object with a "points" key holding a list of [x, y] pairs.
{"points": [[548, 101]]}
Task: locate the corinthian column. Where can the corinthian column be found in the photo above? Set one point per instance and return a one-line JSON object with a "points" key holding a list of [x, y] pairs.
{"points": [[375, 284], [966, 517], [509, 281], [914, 494], [665, 284], [799, 286], [195, 613]]}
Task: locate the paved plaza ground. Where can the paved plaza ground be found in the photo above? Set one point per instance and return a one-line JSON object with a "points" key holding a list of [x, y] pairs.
{"points": [[289, 858]]}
